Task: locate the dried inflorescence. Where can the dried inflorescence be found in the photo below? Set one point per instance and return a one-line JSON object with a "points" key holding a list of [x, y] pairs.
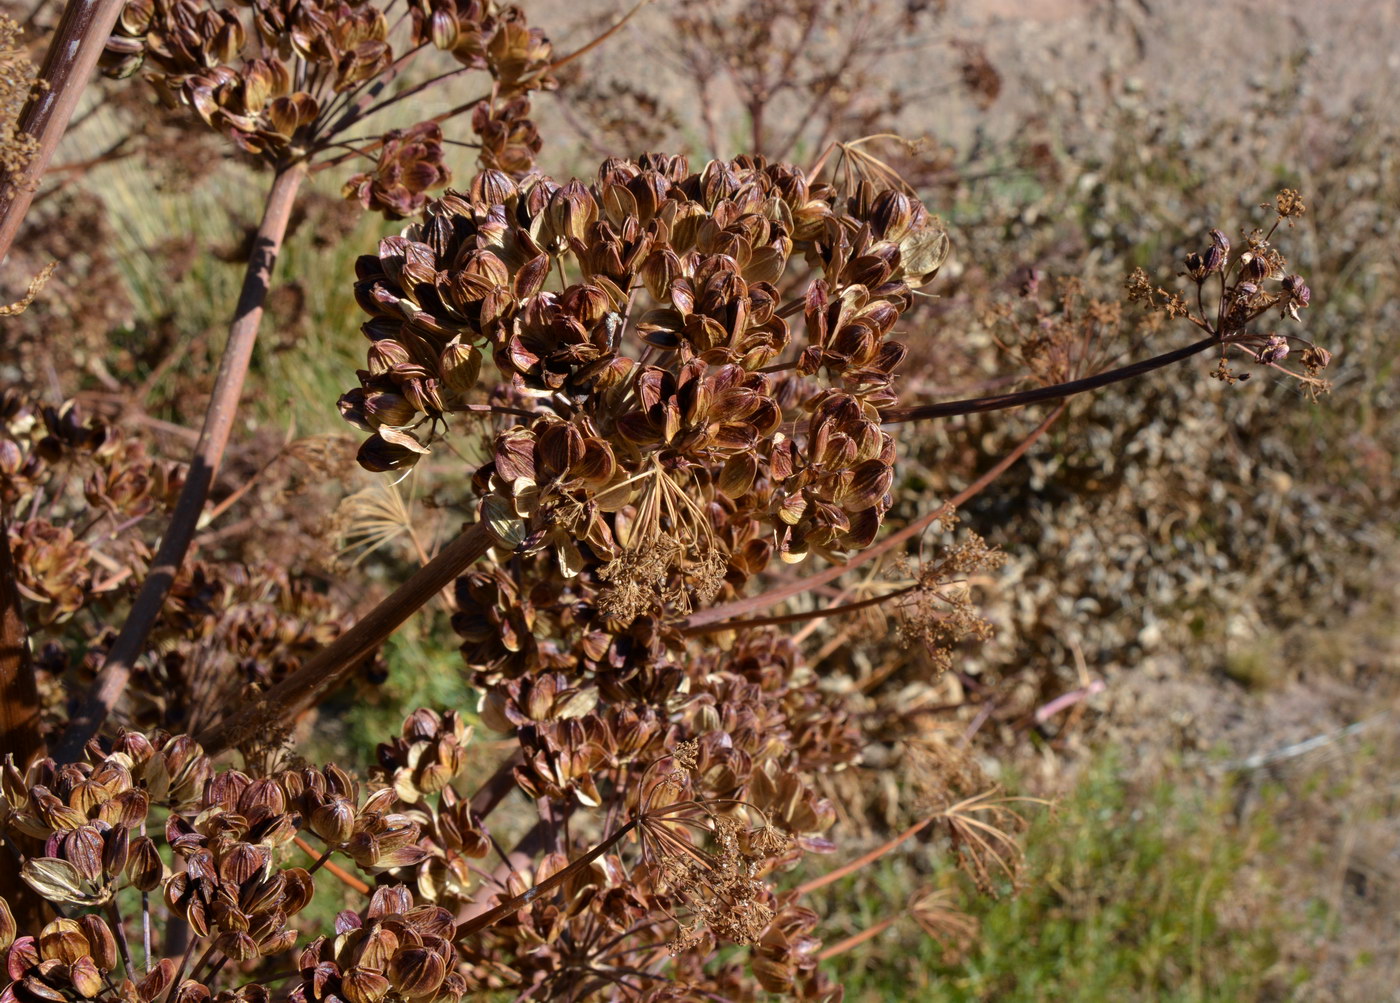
{"points": [[17, 83], [667, 454], [284, 79], [74, 483], [937, 609], [1246, 287], [663, 378], [394, 949], [410, 165], [81, 832]]}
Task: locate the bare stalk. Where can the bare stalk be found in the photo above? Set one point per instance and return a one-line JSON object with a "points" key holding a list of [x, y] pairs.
{"points": [[805, 615], [72, 56], [218, 423], [333, 663], [856, 939], [344, 876], [861, 861], [1000, 402], [556, 879]]}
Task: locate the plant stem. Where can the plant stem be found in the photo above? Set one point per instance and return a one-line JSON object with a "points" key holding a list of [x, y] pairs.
{"points": [[346, 878], [72, 55], [509, 906], [1060, 390], [856, 939], [218, 423], [861, 861], [811, 614], [19, 693], [114, 920], [330, 666]]}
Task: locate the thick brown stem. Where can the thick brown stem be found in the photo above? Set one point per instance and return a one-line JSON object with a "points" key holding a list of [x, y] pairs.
{"points": [[333, 663], [77, 43], [947, 409], [766, 600], [218, 423], [19, 695]]}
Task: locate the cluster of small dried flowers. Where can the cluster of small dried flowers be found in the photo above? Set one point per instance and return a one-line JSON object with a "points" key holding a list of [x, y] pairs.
{"points": [[17, 82], [668, 452], [153, 815], [1247, 287], [693, 371], [652, 448], [283, 79], [147, 846]]}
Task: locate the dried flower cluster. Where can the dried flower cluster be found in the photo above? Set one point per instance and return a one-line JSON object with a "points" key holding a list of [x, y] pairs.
{"points": [[284, 80], [1247, 287], [668, 454], [228, 627]]}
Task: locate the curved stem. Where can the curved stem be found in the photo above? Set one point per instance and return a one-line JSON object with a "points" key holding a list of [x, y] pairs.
{"points": [[590, 46], [333, 663], [509, 906], [218, 424], [974, 405]]}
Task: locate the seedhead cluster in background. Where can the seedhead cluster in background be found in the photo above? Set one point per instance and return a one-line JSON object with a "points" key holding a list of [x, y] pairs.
{"points": [[668, 406]]}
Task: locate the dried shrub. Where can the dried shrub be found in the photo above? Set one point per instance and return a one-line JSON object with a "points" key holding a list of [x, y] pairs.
{"points": [[635, 392]]}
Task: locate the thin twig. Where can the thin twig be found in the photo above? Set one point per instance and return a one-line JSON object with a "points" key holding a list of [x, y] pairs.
{"points": [[856, 939], [346, 878], [1262, 759], [811, 614], [1058, 391], [509, 906], [114, 919], [861, 861]]}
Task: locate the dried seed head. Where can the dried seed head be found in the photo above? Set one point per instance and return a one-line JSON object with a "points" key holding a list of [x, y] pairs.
{"points": [[1275, 350]]}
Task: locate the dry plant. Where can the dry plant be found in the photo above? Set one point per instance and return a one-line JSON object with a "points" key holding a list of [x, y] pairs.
{"points": [[685, 389]]}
